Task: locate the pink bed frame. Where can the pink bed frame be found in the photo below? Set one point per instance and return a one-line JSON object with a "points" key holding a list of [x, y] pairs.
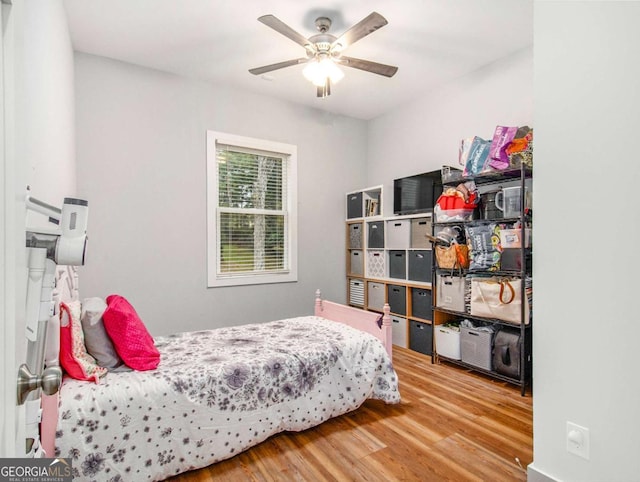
{"points": [[366, 321]]}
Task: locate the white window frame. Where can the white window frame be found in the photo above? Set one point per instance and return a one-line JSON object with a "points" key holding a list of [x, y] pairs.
{"points": [[214, 279]]}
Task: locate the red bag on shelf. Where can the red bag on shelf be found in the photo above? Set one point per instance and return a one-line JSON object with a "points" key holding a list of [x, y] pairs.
{"points": [[457, 204]]}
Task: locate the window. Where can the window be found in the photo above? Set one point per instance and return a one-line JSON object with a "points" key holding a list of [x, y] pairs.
{"points": [[251, 199]]}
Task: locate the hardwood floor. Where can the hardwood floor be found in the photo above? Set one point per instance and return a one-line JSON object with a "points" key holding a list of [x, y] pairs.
{"points": [[451, 425]]}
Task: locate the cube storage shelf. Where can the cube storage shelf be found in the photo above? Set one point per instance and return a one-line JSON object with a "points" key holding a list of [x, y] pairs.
{"points": [[389, 260]]}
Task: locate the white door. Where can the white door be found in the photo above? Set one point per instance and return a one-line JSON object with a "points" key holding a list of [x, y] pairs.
{"points": [[12, 251]]}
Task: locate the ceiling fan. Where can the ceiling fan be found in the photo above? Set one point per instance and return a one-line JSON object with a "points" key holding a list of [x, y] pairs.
{"points": [[324, 51]]}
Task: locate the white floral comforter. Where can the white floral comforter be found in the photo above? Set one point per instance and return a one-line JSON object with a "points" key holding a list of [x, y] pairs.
{"points": [[215, 394]]}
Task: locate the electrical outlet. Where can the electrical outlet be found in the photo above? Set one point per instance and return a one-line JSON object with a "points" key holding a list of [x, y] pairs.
{"points": [[578, 440]]}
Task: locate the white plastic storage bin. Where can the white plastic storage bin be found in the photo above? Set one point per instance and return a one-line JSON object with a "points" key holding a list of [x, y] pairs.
{"points": [[508, 200], [448, 342], [450, 292], [398, 234], [357, 263], [399, 331], [375, 295], [356, 292], [420, 227], [475, 347], [376, 264]]}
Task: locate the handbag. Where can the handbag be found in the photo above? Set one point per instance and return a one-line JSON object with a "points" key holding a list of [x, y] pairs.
{"points": [[454, 256], [499, 298]]}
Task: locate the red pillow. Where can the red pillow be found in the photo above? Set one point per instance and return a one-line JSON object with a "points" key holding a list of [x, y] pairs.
{"points": [[73, 354], [130, 338]]}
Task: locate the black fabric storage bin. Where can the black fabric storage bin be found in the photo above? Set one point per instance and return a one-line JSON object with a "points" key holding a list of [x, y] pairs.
{"points": [[421, 304], [398, 264], [354, 205], [397, 299], [511, 259], [375, 238], [420, 265], [421, 337], [506, 352]]}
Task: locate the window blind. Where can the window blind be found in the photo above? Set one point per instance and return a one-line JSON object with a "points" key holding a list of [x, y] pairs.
{"points": [[252, 212]]}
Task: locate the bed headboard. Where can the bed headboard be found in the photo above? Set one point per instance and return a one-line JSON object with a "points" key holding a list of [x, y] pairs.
{"points": [[66, 289], [376, 324]]}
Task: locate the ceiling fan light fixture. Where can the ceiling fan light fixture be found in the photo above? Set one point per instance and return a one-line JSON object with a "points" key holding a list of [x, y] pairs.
{"points": [[318, 71], [323, 51]]}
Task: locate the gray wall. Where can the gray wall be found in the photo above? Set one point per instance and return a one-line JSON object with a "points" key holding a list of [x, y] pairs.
{"points": [[142, 163], [424, 135], [587, 113], [45, 120]]}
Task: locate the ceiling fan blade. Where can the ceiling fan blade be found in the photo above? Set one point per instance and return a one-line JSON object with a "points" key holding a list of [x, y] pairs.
{"points": [[280, 65], [361, 29], [281, 27], [374, 67]]}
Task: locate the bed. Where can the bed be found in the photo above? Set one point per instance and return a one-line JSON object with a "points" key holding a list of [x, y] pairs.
{"points": [[218, 392]]}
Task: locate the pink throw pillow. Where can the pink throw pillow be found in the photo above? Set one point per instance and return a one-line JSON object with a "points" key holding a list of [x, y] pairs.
{"points": [[130, 337], [73, 354]]}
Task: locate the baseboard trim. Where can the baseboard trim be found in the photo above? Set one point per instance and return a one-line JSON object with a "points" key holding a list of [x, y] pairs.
{"points": [[535, 475]]}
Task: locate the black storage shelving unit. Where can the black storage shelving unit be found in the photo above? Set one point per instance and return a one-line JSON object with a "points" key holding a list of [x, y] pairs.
{"points": [[523, 260]]}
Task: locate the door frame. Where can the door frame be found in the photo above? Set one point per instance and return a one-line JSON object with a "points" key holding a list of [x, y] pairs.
{"points": [[11, 240]]}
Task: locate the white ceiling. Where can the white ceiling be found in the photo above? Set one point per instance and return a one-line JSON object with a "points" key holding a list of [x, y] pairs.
{"points": [[430, 41]]}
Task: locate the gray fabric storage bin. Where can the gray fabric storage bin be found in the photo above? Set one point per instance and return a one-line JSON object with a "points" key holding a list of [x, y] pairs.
{"points": [[420, 265], [420, 227], [450, 292], [475, 347], [421, 306], [398, 264], [399, 331], [375, 234], [506, 352], [421, 337], [398, 234], [357, 263], [355, 236], [375, 295], [397, 299], [354, 205], [356, 292]]}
